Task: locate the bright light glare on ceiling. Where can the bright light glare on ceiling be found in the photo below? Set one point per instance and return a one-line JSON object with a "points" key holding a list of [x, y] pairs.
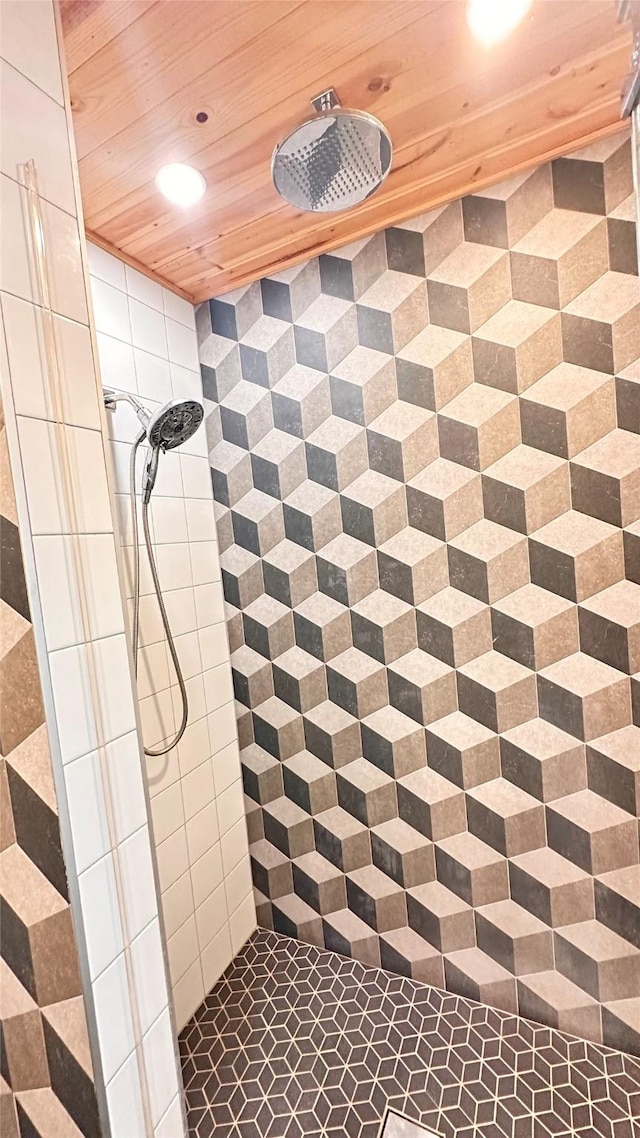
{"points": [[183, 185], [492, 20]]}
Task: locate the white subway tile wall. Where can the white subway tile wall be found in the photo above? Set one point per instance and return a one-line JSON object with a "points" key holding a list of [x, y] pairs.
{"points": [[147, 347]]}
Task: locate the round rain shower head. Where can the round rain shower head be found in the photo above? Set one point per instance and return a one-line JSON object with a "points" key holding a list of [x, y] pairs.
{"points": [[333, 161], [174, 423]]}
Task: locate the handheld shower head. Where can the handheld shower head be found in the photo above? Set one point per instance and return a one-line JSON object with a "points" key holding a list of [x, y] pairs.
{"points": [[174, 423]]}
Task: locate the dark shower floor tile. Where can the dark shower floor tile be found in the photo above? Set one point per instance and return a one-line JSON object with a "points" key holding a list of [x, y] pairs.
{"points": [[294, 1041]]}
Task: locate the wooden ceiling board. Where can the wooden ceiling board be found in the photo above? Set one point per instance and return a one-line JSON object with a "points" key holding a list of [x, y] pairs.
{"points": [[460, 117]]}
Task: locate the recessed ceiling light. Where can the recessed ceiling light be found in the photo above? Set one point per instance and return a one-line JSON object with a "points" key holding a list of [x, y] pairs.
{"points": [[181, 184], [493, 20]]}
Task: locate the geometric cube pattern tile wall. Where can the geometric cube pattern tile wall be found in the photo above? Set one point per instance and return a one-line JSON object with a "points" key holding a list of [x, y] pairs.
{"points": [[425, 453], [46, 1074]]}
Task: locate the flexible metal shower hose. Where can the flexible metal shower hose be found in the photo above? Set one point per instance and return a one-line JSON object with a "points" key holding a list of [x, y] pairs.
{"points": [[161, 605]]}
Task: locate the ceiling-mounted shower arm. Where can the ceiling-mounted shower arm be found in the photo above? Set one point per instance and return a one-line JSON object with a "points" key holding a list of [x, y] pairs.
{"points": [[326, 101]]}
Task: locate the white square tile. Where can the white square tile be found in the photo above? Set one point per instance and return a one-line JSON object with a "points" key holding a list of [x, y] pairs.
{"points": [[127, 789], [174, 566], [160, 1064], [169, 479], [138, 883], [113, 1015], [186, 384], [147, 329], [153, 670], [67, 286], [161, 771], [206, 874], [86, 804], [143, 288], [111, 310], [171, 1125], [222, 728], [100, 915], [152, 376], [58, 590], [181, 610], [234, 845], [43, 476], [151, 628], [16, 274], [201, 524], [183, 345], [72, 698], [106, 267], [202, 832], [124, 1101], [226, 766], [205, 563], [101, 585], [167, 812], [238, 883], [177, 308], [230, 806], [195, 692], [188, 649], [89, 480], [113, 675], [210, 607], [218, 682], [182, 949], [169, 519], [149, 975], [188, 994], [216, 957], [242, 923], [177, 903], [78, 373], [29, 43], [194, 747], [117, 370], [196, 476], [157, 722], [35, 126], [173, 859], [198, 789], [211, 916]]}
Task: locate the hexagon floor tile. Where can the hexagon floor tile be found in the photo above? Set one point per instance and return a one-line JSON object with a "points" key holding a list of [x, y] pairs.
{"points": [[294, 1041]]}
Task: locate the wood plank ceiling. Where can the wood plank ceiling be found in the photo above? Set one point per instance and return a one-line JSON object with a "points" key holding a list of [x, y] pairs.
{"points": [[143, 74]]}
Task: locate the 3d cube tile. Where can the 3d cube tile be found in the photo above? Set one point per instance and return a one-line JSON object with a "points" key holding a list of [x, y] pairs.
{"points": [[347, 569], [288, 827], [584, 697], [425, 240], [402, 440], [24, 1054], [322, 626], [535, 627], [268, 626], [262, 774], [525, 489], [431, 804], [286, 295], [403, 853], [278, 463], [621, 237], [594, 179], [598, 960], [567, 410], [309, 782], [605, 478], [383, 626], [516, 346], [224, 526], [235, 626], [554, 889], [301, 401], [613, 764], [501, 215], [271, 869], [376, 899], [444, 499], [244, 723], [357, 682], [441, 917], [610, 626], [255, 823], [325, 332], [619, 1025], [257, 522], [434, 367], [543, 760], [312, 515], [245, 414], [235, 313], [392, 311], [618, 902], [463, 750], [345, 933], [299, 678], [479, 426], [601, 327], [293, 917], [212, 426], [559, 257], [506, 817], [347, 272], [278, 728], [336, 453], [488, 561], [514, 937], [631, 540], [453, 626], [342, 839], [363, 385], [549, 997], [219, 366], [405, 952], [289, 572], [472, 973], [422, 687], [267, 351], [497, 691], [241, 575], [373, 508], [252, 676], [472, 869], [332, 734], [468, 287], [628, 398], [319, 883], [367, 792], [231, 476], [393, 742], [592, 832], [576, 555], [412, 565]]}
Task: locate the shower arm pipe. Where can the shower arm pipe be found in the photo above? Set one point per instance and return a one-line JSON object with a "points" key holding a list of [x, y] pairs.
{"points": [[28, 178]]}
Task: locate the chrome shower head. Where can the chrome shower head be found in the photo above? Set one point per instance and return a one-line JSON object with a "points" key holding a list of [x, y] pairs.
{"points": [[174, 423], [333, 161]]}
